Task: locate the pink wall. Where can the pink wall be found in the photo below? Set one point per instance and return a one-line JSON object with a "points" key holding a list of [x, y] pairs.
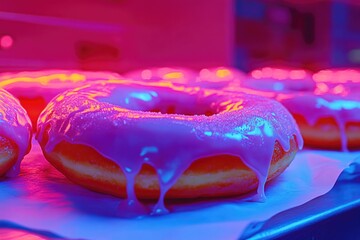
{"points": [[116, 35]]}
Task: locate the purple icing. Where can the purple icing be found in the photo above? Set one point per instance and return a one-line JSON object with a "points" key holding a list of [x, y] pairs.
{"points": [[15, 125], [116, 118]]}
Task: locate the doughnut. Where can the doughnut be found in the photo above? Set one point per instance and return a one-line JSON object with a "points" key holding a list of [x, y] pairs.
{"points": [[329, 116], [35, 89], [156, 141], [174, 75], [15, 134], [326, 106]]}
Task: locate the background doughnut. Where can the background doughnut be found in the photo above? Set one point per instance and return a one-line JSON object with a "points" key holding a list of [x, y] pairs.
{"points": [[35, 89]]}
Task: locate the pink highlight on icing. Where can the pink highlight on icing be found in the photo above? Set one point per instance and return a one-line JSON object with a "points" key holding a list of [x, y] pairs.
{"points": [[245, 126], [15, 125]]}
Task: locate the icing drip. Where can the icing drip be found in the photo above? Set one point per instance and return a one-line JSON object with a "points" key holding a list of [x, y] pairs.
{"points": [[15, 125], [131, 207], [118, 119]]}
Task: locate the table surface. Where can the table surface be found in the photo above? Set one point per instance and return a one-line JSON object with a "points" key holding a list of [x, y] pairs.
{"points": [[335, 215]]}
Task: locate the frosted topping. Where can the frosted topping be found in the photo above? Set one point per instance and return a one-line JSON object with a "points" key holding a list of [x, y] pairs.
{"points": [[54, 81], [14, 125], [174, 75], [127, 123]]}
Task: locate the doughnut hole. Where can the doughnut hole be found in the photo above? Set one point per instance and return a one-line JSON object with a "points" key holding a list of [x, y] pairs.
{"points": [[221, 175], [33, 107], [8, 154], [325, 133], [144, 100]]}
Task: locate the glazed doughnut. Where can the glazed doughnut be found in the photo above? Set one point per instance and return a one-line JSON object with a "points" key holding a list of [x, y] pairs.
{"points": [[329, 117], [35, 89], [174, 75], [15, 134], [151, 141]]}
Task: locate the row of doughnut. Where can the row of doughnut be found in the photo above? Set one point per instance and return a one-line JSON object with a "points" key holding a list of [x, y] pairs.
{"points": [[164, 133], [325, 105]]}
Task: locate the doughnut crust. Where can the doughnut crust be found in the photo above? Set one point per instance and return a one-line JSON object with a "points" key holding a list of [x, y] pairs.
{"points": [[326, 133], [8, 154], [215, 176]]}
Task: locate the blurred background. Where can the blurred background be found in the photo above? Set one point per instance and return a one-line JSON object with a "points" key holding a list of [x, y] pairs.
{"points": [[122, 35]]}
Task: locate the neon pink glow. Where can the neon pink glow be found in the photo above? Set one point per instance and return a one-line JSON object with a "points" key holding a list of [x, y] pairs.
{"points": [[146, 74], [339, 89], [297, 74], [256, 74], [6, 41], [278, 73], [338, 76], [321, 88], [267, 72]]}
